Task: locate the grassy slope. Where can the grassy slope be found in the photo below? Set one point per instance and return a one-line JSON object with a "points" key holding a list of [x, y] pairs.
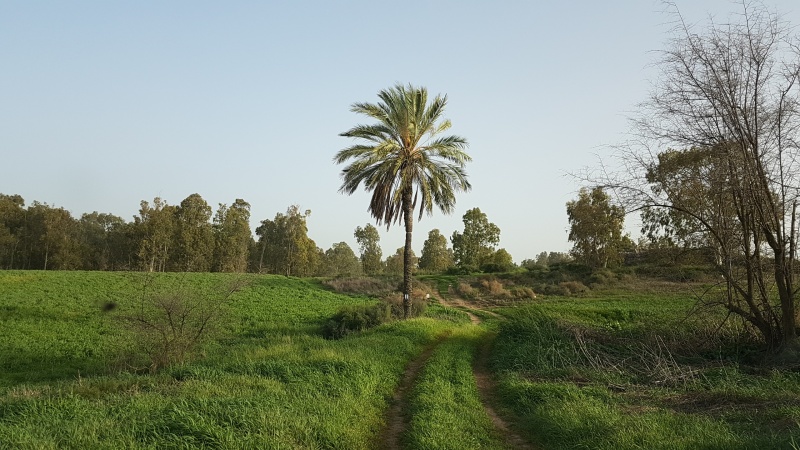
{"points": [[271, 382], [626, 371]]}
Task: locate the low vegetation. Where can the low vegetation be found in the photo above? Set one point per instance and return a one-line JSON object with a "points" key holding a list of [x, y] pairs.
{"points": [[623, 366], [629, 370]]}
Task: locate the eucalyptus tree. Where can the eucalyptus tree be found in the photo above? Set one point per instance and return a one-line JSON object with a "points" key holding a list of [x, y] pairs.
{"points": [[155, 228], [595, 228], [232, 237], [284, 245], [405, 162], [435, 257], [195, 238], [474, 247], [369, 243]]}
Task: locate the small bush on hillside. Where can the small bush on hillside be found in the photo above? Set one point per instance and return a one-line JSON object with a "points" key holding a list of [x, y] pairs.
{"points": [[574, 287], [495, 288], [523, 293], [466, 290], [354, 318]]}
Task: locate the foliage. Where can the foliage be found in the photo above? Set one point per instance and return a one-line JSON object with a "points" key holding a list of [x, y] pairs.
{"points": [[395, 264], [284, 245], [355, 318], [194, 236], [499, 261], [232, 237], [156, 226], [403, 162], [366, 286], [339, 261], [595, 228], [473, 247], [368, 240], [435, 257]]}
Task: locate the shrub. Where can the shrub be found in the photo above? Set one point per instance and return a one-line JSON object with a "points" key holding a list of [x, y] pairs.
{"points": [[466, 290], [168, 326], [574, 287], [495, 288], [354, 318], [419, 301], [523, 293]]}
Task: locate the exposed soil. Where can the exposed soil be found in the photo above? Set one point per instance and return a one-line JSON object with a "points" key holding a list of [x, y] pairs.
{"points": [[484, 380], [396, 417]]}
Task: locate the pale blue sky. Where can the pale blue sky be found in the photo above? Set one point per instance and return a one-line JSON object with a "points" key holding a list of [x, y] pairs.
{"points": [[104, 104]]}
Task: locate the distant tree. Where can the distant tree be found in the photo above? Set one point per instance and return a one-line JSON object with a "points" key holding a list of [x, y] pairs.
{"points": [[558, 258], [340, 260], [436, 257], [12, 225], [156, 228], [474, 247], [369, 245], [195, 238], [395, 264], [284, 245], [595, 228], [499, 261], [232, 236], [404, 163], [98, 236], [53, 232]]}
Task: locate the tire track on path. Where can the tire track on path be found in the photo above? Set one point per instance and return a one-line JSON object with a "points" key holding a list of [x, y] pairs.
{"points": [[396, 417], [484, 380]]}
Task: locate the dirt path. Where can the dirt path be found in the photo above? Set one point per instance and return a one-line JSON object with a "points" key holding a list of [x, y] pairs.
{"points": [[484, 380], [396, 417]]}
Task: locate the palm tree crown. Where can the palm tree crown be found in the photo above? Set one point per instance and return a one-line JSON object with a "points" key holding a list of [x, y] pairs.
{"points": [[402, 156]]}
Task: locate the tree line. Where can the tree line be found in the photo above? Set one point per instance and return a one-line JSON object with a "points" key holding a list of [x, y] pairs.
{"points": [[192, 237]]}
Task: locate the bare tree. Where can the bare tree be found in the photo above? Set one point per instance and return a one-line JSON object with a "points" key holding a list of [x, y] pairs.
{"points": [[715, 145]]}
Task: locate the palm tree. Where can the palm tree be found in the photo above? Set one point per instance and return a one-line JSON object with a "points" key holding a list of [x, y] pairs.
{"points": [[404, 162]]}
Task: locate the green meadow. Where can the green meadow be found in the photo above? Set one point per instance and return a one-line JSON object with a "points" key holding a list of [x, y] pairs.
{"points": [[621, 369]]}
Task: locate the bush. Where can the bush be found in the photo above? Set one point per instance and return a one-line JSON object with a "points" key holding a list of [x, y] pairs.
{"points": [[523, 293], [466, 290], [168, 326], [354, 318], [419, 302], [495, 288], [574, 287]]}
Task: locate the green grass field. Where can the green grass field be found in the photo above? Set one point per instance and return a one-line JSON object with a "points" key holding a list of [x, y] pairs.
{"points": [[269, 381], [616, 370]]}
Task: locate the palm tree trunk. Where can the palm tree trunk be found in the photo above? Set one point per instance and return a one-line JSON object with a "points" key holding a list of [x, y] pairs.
{"points": [[408, 214]]}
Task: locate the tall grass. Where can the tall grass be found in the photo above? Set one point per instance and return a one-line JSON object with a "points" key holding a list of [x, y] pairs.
{"points": [[629, 371]]}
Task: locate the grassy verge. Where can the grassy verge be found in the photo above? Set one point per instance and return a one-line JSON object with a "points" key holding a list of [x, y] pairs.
{"points": [[629, 371], [445, 408]]}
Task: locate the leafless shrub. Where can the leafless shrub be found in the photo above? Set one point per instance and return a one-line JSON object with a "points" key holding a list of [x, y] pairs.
{"points": [[168, 325]]}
